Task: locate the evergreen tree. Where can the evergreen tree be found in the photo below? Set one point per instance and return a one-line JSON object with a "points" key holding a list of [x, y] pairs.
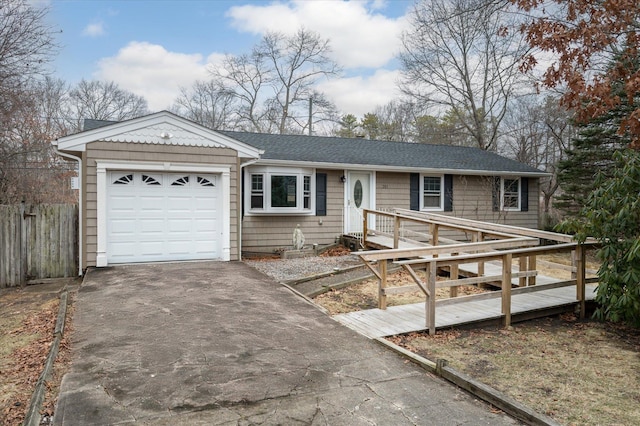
{"points": [[592, 152]]}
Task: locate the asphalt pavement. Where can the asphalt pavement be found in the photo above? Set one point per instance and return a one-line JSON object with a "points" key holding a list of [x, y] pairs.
{"points": [[218, 343]]}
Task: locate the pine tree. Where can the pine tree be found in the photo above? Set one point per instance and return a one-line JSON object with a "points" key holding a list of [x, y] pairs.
{"points": [[593, 150]]}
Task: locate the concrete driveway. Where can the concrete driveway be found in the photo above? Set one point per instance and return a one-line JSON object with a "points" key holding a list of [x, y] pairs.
{"points": [[221, 344]]}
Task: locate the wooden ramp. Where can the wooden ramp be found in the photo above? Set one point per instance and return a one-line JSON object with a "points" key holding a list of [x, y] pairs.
{"points": [[526, 302]]}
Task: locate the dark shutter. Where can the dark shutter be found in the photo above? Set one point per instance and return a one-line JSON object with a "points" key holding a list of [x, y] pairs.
{"points": [[495, 193], [448, 193], [414, 191], [524, 194], [321, 194]]}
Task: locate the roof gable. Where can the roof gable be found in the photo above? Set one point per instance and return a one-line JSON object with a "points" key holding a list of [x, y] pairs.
{"points": [[162, 128]]}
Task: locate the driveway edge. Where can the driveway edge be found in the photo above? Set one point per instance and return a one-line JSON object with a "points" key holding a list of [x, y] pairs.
{"points": [[33, 416], [476, 388]]}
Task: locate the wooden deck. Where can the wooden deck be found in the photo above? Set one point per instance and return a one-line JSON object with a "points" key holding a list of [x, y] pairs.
{"points": [[526, 302]]}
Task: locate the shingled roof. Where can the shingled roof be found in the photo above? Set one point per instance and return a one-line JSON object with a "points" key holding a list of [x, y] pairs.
{"points": [[380, 154]]}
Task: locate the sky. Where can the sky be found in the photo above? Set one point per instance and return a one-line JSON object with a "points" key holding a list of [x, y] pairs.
{"points": [[154, 47]]}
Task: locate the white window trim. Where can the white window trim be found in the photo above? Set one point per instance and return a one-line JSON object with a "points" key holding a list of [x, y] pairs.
{"points": [[502, 194], [267, 172], [101, 193], [432, 209]]}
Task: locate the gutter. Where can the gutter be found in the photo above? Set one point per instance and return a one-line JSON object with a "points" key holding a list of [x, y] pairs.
{"points": [[80, 205], [401, 169]]}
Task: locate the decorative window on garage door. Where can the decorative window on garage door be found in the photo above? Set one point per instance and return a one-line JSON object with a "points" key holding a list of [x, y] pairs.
{"points": [[205, 182], [123, 180], [151, 180]]}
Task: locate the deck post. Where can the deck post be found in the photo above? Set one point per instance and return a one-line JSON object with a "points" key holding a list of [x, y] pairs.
{"points": [[573, 265], [523, 266], [532, 267], [580, 278], [382, 284], [396, 232], [506, 288], [435, 229], [480, 238], [431, 298], [454, 274], [365, 225]]}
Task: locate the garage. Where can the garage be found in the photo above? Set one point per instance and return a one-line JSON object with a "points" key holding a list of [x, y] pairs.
{"points": [[154, 216]]}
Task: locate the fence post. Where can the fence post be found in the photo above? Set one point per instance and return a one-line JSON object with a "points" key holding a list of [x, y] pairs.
{"points": [[23, 245], [506, 288], [580, 278]]}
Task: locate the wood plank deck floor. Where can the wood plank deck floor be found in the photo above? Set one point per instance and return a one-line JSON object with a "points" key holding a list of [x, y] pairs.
{"points": [[407, 318]]}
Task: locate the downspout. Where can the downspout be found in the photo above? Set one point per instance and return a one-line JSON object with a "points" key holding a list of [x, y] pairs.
{"points": [[80, 207], [241, 209]]}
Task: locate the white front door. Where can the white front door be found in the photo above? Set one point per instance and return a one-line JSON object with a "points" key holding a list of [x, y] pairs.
{"points": [[359, 196]]}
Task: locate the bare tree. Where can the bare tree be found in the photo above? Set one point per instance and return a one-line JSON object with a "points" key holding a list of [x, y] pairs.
{"points": [[459, 57], [204, 103], [296, 63], [102, 100], [269, 89], [27, 44], [538, 133]]}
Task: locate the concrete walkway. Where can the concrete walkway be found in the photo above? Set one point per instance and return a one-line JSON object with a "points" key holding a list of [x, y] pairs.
{"points": [[212, 343]]}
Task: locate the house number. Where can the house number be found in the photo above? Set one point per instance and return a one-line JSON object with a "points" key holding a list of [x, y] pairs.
{"points": [[357, 193]]}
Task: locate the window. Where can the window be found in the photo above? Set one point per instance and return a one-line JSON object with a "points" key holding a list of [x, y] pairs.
{"points": [[510, 194], [432, 193], [257, 192], [273, 190]]}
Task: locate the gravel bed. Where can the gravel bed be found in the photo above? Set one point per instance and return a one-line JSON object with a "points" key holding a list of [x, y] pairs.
{"points": [[295, 269]]}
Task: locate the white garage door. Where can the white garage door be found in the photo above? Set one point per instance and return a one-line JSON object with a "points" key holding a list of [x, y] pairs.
{"points": [[162, 216]]}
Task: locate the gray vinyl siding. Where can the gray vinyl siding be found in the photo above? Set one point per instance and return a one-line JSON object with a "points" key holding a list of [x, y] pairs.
{"points": [[472, 199], [156, 153], [268, 233]]}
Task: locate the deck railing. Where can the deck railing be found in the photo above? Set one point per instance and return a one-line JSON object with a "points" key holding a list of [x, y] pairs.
{"points": [[506, 244]]}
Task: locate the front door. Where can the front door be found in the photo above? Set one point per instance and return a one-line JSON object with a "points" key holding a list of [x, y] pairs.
{"points": [[358, 197]]}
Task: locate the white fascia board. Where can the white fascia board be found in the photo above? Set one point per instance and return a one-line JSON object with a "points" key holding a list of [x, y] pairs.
{"points": [[78, 141], [398, 169]]}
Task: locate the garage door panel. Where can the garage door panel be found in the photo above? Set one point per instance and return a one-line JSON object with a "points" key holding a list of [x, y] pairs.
{"points": [[205, 225], [179, 226], [123, 227], [156, 217], [122, 203]]}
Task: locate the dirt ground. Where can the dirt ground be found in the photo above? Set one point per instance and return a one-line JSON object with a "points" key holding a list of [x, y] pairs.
{"points": [[27, 322], [579, 372]]}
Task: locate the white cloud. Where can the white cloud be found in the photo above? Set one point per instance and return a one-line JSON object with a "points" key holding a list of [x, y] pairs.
{"points": [[360, 95], [94, 30], [360, 37], [151, 71]]}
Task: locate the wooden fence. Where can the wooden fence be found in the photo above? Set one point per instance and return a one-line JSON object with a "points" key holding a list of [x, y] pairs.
{"points": [[37, 241]]}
